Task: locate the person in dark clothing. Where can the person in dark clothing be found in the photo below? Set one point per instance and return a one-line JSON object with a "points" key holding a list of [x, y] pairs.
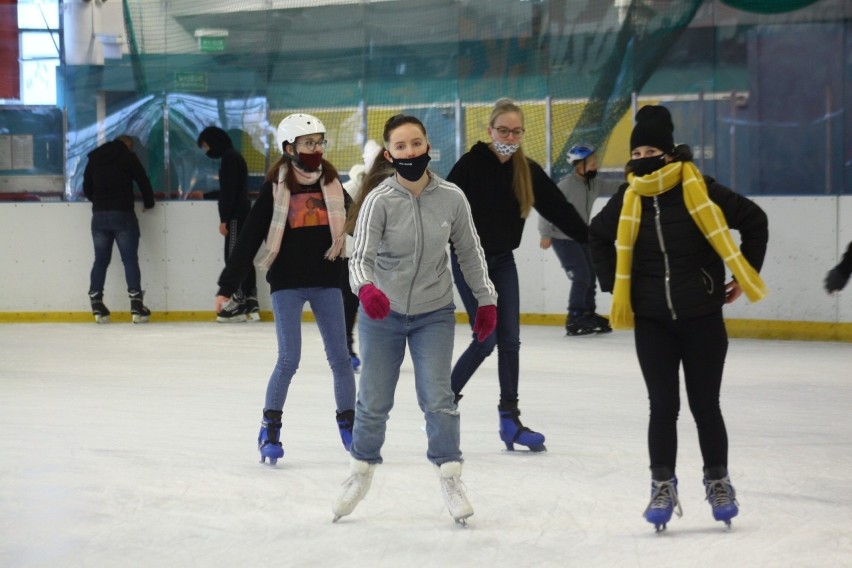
{"points": [[304, 262], [108, 184], [502, 186], [234, 206], [838, 276], [661, 246]]}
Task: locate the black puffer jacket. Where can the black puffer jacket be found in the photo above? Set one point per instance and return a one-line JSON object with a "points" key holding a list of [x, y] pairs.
{"points": [[109, 176], [670, 240]]}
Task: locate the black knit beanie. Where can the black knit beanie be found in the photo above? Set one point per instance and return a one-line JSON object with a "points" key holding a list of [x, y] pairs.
{"points": [[653, 128]]}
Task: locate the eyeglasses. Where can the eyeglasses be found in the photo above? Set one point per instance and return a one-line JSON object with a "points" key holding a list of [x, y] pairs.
{"points": [[504, 132], [312, 144]]}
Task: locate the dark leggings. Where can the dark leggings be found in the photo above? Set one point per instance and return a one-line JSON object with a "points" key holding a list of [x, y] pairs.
{"points": [[700, 345]]}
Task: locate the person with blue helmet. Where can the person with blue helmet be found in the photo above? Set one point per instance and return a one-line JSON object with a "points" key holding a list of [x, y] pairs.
{"points": [[581, 188]]}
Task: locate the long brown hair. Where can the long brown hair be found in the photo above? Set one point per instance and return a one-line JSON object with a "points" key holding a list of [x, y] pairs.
{"points": [[521, 177], [380, 169]]}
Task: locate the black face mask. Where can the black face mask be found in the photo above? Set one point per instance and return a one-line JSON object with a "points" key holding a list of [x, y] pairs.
{"points": [[590, 175], [411, 169], [644, 166]]}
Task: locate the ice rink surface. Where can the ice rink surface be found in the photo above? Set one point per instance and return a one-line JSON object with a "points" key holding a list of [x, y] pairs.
{"points": [[125, 445]]}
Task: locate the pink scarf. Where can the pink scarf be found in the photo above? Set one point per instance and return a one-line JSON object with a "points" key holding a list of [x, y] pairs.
{"points": [[332, 193]]}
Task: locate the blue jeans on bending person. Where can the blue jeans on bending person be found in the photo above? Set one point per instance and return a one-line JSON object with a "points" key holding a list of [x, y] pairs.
{"points": [[121, 228], [429, 338], [327, 306], [506, 337]]}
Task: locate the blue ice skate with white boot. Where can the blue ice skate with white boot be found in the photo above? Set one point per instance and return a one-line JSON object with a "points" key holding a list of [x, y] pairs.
{"points": [[513, 432], [721, 494], [664, 502], [269, 437]]}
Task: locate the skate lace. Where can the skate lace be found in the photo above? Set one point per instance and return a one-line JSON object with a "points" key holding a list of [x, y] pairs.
{"points": [[454, 490], [353, 486], [720, 492], [664, 496]]}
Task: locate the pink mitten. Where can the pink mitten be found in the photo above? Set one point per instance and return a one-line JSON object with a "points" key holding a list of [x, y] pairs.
{"points": [[485, 322], [376, 304]]}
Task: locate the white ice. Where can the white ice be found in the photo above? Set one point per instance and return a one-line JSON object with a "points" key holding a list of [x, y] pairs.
{"points": [[134, 445]]}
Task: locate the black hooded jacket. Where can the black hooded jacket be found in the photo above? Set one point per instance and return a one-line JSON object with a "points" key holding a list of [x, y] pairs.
{"points": [[233, 174], [488, 185], [109, 176]]}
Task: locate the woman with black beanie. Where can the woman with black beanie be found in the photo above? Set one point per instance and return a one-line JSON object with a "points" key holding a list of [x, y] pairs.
{"points": [[661, 245]]}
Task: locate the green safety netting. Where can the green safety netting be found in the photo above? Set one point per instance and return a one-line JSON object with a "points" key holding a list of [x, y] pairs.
{"points": [[573, 65]]}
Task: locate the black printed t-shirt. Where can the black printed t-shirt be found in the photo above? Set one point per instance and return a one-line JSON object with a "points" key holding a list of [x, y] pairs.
{"points": [[300, 262]]}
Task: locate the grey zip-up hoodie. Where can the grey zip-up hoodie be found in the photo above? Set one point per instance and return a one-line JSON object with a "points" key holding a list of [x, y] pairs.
{"points": [[401, 246]]}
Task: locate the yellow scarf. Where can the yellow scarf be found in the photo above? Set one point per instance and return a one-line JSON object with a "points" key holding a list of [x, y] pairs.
{"points": [[707, 216]]}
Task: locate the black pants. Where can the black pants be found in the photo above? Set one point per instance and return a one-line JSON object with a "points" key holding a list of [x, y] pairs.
{"points": [[235, 227], [700, 345], [350, 307]]}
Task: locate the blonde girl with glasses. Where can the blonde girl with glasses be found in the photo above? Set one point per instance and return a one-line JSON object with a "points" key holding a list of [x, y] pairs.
{"points": [[503, 186]]}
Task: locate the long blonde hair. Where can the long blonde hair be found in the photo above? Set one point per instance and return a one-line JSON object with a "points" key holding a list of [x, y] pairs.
{"points": [[521, 177]]}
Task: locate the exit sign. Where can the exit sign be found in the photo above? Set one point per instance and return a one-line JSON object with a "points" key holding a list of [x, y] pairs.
{"points": [[211, 44]]}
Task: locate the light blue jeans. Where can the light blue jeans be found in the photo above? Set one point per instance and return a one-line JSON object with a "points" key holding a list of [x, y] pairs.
{"points": [[327, 306], [430, 341]]}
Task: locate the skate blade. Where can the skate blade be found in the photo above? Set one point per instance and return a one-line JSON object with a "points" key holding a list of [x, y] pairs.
{"points": [[140, 319], [336, 518], [101, 319], [235, 319], [254, 316], [462, 522], [535, 449]]}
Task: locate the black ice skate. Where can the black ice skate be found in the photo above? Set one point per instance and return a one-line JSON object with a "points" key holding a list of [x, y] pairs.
{"points": [[99, 310], [138, 312]]}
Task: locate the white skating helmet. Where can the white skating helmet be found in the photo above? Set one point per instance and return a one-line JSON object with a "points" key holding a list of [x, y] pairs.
{"points": [[579, 153], [296, 125]]}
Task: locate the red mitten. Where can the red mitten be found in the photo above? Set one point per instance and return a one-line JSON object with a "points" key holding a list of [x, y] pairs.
{"points": [[376, 304], [485, 322]]}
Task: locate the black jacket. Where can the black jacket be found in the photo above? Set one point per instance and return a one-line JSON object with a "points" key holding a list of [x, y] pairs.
{"points": [[487, 184], [300, 262], [109, 176], [233, 174], [668, 237]]}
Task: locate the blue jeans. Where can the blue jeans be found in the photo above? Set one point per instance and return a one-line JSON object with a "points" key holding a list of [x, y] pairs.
{"points": [[121, 228], [430, 342], [327, 306], [576, 261], [507, 335]]}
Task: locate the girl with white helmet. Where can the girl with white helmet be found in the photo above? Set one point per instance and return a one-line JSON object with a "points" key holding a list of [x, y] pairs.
{"points": [[304, 263]]}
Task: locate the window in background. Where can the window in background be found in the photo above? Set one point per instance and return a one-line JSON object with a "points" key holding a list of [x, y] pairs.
{"points": [[38, 22]]}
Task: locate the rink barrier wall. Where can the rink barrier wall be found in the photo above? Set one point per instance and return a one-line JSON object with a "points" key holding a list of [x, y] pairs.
{"points": [[750, 329], [46, 255]]}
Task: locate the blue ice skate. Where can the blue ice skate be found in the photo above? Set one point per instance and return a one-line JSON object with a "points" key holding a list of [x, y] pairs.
{"points": [[345, 421], [664, 501], [269, 437], [722, 498], [513, 432]]}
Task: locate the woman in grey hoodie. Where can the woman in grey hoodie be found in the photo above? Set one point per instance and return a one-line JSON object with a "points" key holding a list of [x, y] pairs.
{"points": [[400, 270]]}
